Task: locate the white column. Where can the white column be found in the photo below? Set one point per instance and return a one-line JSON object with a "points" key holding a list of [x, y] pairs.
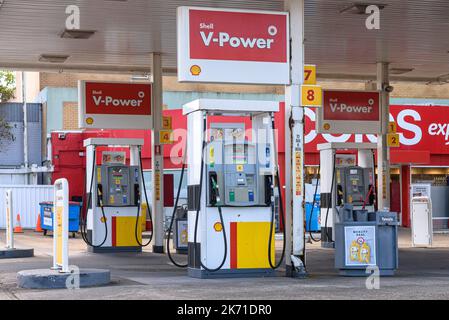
{"points": [[134, 156], [383, 152], [365, 158], [157, 158], [135, 161], [294, 146], [90, 169], [327, 179], [25, 128]]}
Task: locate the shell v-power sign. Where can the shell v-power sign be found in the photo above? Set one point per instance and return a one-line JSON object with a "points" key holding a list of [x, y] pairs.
{"points": [[233, 46]]}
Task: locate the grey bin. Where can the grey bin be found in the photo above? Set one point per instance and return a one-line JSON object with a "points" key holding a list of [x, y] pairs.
{"points": [[385, 241]]}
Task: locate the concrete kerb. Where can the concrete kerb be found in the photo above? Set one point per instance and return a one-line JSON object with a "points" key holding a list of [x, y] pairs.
{"points": [[16, 253], [53, 279]]}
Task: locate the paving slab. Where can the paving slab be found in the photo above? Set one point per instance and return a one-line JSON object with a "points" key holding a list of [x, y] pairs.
{"points": [[422, 274]]}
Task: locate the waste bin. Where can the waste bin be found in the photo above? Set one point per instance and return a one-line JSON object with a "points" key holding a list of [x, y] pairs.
{"points": [[364, 243], [46, 211], [313, 222]]}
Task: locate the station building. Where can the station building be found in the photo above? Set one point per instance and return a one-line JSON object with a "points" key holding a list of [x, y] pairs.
{"points": [[417, 109]]}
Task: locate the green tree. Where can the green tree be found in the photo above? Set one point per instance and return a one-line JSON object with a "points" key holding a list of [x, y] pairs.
{"points": [[7, 85], [7, 89]]}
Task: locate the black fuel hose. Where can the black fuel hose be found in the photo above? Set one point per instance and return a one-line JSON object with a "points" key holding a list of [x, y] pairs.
{"points": [[313, 205], [281, 215], [331, 200], [170, 229], [138, 208], [202, 167], [83, 222]]}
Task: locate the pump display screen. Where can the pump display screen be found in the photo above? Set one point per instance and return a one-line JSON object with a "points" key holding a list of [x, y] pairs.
{"points": [[352, 185], [120, 184], [240, 155], [233, 175]]}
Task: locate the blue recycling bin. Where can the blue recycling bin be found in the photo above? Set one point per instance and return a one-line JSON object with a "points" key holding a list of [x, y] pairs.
{"points": [[313, 221], [46, 211]]}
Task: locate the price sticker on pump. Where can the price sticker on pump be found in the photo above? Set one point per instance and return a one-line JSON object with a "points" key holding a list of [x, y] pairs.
{"points": [[311, 96]]}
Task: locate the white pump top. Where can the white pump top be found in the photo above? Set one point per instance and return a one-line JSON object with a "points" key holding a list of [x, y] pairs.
{"points": [[231, 107], [113, 142]]}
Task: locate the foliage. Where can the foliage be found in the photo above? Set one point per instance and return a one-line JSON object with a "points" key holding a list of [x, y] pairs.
{"points": [[6, 135], [7, 85], [7, 90]]}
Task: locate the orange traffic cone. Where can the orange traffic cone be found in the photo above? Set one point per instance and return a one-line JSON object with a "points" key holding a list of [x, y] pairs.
{"points": [[18, 227], [38, 224]]}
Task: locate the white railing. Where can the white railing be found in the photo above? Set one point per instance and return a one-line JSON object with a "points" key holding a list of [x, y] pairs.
{"points": [[26, 202]]}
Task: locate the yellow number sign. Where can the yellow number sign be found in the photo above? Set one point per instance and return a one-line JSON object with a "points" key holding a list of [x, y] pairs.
{"points": [[392, 128], [311, 96], [393, 140], [310, 74], [167, 123], [165, 137]]}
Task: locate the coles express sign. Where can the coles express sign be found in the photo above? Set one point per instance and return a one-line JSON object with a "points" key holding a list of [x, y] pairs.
{"points": [[423, 128], [235, 46], [112, 105]]}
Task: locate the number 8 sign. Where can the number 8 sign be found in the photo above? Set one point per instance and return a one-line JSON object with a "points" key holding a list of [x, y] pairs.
{"points": [[311, 96]]}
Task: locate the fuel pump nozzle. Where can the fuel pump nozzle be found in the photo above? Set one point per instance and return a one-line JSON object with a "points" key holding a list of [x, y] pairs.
{"points": [[217, 192]]}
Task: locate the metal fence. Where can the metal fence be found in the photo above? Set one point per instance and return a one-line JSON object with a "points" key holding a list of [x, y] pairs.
{"points": [[12, 154], [440, 224], [26, 201]]}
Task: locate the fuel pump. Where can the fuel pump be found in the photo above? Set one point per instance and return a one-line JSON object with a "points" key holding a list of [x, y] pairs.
{"points": [[230, 189], [112, 222], [344, 179], [361, 236]]}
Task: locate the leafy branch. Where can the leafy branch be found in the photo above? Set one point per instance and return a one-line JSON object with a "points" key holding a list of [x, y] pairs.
{"points": [[7, 90], [7, 85]]}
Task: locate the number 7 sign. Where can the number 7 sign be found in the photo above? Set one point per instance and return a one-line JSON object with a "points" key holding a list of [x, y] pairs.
{"points": [[310, 74]]}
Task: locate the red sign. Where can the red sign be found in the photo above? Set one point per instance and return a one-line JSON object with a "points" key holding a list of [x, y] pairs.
{"points": [[242, 36], [420, 128], [118, 98], [233, 46], [351, 105]]}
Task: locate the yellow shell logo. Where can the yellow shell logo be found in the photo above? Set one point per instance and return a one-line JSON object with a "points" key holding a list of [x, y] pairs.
{"points": [[326, 126], [195, 70], [218, 227], [90, 121], [103, 219]]}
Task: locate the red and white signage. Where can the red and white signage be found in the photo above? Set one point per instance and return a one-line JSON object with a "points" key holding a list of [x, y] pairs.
{"points": [[350, 112], [113, 105], [420, 128], [233, 46]]}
